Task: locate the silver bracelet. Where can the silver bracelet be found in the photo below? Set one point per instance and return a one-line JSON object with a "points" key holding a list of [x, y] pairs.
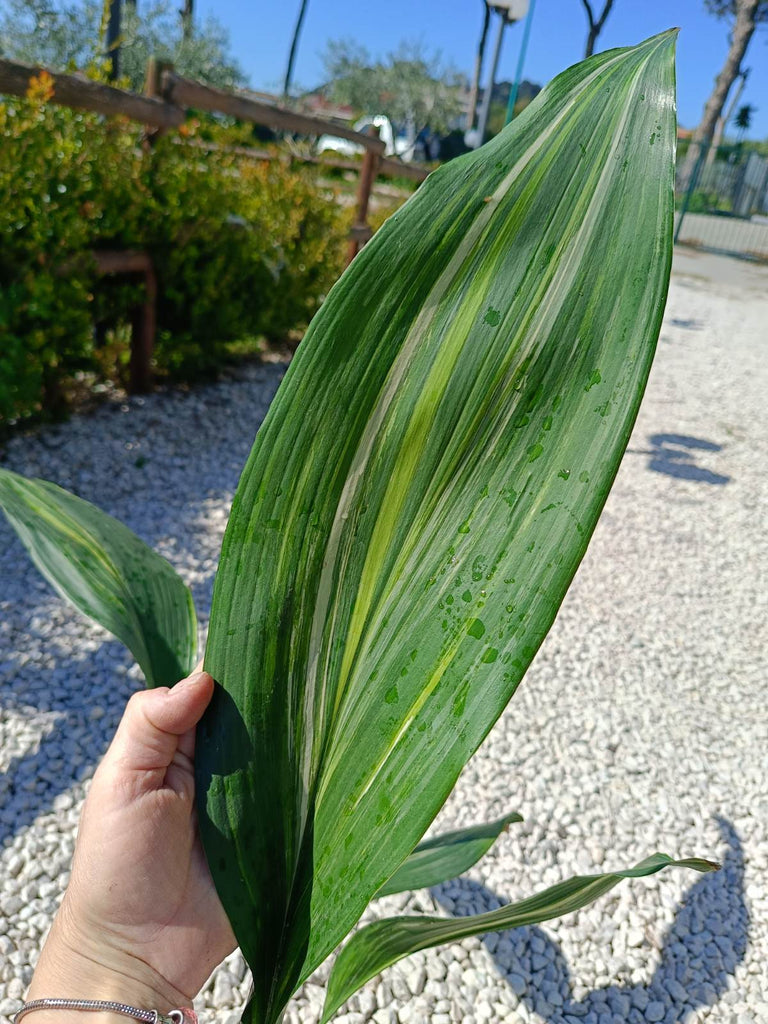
{"points": [[147, 1016]]}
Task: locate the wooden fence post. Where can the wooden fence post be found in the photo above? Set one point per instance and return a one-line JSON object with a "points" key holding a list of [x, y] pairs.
{"points": [[143, 325], [361, 230], [143, 315], [153, 89]]}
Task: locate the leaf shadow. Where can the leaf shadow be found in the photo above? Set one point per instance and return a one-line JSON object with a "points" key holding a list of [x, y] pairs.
{"points": [[676, 455], [194, 433], [699, 954], [686, 323], [66, 753]]}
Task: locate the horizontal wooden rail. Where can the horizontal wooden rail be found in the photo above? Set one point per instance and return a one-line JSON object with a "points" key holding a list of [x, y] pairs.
{"points": [[360, 233], [396, 168], [122, 261], [402, 170], [180, 93], [82, 93], [387, 166], [185, 93]]}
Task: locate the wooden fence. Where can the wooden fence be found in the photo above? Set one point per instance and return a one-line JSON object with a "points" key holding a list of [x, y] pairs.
{"points": [[165, 105]]}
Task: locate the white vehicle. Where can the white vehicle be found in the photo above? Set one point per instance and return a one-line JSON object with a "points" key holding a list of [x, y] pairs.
{"points": [[396, 145]]}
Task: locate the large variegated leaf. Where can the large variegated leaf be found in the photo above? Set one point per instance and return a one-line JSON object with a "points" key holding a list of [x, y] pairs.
{"points": [[384, 942], [107, 573], [419, 497], [446, 856]]}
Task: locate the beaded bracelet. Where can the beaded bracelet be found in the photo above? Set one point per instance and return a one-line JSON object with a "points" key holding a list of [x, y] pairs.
{"points": [[184, 1016]]}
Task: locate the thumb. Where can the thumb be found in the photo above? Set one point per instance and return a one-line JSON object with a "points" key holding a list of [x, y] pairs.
{"points": [[157, 722]]}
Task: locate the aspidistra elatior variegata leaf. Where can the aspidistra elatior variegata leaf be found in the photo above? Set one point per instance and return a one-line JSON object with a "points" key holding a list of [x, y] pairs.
{"points": [[107, 572], [446, 856], [419, 498], [386, 941]]}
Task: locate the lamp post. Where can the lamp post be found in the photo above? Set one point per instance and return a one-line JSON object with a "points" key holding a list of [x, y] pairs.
{"points": [[509, 11]]}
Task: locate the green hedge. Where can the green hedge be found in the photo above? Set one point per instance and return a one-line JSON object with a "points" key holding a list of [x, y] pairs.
{"points": [[241, 248]]}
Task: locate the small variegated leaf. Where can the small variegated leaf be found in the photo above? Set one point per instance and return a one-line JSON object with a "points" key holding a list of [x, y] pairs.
{"points": [[384, 942], [106, 572], [446, 856]]}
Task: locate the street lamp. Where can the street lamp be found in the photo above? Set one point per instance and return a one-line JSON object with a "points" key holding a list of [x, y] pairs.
{"points": [[509, 11]]}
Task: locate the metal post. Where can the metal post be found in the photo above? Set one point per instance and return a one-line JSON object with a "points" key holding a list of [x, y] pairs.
{"points": [[520, 61], [483, 122], [689, 191]]}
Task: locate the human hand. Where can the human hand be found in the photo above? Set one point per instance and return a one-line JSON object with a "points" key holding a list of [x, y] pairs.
{"points": [[140, 922]]}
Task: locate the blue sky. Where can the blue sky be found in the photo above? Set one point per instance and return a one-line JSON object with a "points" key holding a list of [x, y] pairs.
{"points": [[261, 31]]}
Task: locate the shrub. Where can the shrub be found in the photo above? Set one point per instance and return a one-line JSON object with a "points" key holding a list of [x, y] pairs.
{"points": [[240, 248], [45, 216]]}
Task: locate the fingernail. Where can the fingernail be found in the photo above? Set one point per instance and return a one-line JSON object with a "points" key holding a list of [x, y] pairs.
{"points": [[194, 680]]}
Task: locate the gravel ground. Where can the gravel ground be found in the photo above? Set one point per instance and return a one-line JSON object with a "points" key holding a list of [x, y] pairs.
{"points": [[641, 726]]}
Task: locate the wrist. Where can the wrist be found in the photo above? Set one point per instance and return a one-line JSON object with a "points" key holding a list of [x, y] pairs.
{"points": [[74, 966]]}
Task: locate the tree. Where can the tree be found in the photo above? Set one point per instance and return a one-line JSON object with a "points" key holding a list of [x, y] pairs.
{"points": [[595, 24], [113, 40], [743, 118], [68, 35], [746, 14], [63, 35], [725, 118], [161, 31], [187, 13], [412, 88]]}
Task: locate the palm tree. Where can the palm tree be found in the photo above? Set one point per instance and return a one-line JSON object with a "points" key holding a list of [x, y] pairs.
{"points": [[743, 118], [746, 14]]}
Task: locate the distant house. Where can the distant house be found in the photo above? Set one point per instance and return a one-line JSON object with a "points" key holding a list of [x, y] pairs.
{"points": [[318, 104], [526, 91]]}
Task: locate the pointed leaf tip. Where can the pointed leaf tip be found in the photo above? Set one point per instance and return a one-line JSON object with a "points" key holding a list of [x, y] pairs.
{"points": [[383, 943], [419, 498], [109, 574], [446, 856]]}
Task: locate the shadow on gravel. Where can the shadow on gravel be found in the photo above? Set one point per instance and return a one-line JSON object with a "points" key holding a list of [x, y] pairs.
{"points": [[676, 455], [154, 445], [699, 954], [69, 749], [686, 323]]}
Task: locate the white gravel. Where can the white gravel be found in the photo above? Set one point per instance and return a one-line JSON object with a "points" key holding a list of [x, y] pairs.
{"points": [[641, 726]]}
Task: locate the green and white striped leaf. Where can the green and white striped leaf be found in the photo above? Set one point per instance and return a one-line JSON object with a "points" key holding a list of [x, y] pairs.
{"points": [[106, 572], [419, 497], [446, 856], [383, 943]]}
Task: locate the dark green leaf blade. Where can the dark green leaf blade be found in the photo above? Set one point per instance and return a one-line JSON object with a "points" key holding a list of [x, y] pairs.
{"points": [[419, 497], [446, 856], [102, 568], [383, 943]]}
